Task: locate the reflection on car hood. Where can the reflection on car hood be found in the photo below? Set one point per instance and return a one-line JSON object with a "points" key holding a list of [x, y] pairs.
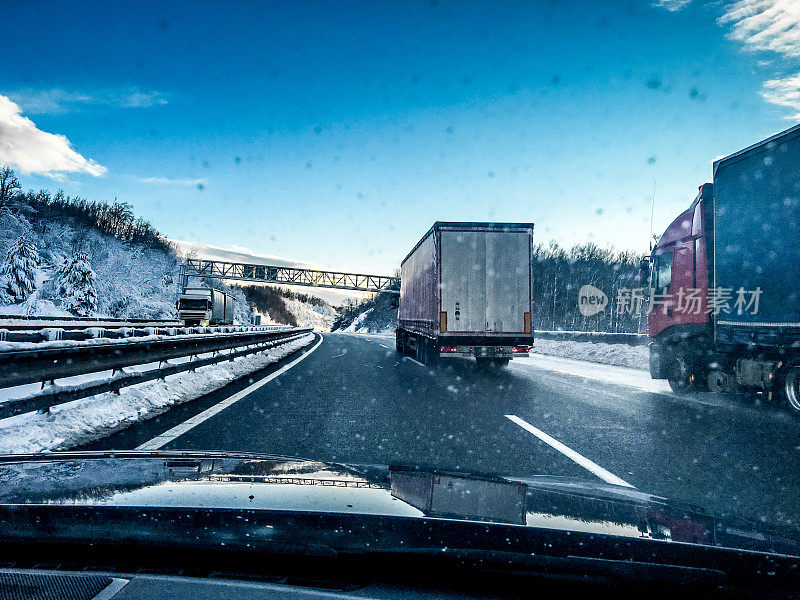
{"points": [[262, 483]]}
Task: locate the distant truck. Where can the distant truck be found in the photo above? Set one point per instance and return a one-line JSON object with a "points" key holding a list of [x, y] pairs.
{"points": [[204, 306], [466, 290], [725, 299]]}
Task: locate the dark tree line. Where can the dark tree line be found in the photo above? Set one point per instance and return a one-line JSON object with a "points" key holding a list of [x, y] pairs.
{"points": [[115, 219], [270, 301], [559, 274]]}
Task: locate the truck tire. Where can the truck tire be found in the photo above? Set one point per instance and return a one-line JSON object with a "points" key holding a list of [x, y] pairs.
{"points": [[683, 375], [720, 382], [790, 388], [399, 342], [427, 353]]}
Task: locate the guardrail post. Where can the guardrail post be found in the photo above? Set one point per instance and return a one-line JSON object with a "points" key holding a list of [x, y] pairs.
{"points": [[161, 364]]}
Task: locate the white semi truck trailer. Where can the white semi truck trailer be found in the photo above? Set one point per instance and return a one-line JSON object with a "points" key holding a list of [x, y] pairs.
{"points": [[467, 290]]}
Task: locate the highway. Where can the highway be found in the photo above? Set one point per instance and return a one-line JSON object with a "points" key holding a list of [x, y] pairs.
{"points": [[353, 399]]}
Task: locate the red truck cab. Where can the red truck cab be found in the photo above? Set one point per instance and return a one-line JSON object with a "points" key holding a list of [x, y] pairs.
{"points": [[678, 318]]}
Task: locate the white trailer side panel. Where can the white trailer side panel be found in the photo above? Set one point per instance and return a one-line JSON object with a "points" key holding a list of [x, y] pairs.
{"points": [[419, 297], [229, 304], [217, 306]]}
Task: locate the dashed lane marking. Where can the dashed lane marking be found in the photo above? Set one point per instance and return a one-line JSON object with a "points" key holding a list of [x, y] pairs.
{"points": [[587, 464]]}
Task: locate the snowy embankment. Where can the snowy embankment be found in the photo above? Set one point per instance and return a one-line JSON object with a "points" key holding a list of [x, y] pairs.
{"points": [[81, 421], [356, 325], [621, 355]]}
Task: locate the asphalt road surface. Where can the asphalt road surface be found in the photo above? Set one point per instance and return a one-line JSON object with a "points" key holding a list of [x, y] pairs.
{"points": [[353, 399]]}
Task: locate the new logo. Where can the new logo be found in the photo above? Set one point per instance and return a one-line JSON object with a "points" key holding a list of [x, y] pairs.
{"points": [[591, 300]]}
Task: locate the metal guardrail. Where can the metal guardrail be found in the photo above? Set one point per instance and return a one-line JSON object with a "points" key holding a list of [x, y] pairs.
{"points": [[29, 322], [88, 319], [19, 367], [56, 332], [630, 339]]}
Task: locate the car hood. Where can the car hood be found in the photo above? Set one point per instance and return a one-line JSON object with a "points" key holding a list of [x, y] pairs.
{"points": [[270, 484]]}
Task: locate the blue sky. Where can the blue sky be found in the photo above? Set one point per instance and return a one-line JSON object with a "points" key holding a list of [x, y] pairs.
{"points": [[337, 132]]}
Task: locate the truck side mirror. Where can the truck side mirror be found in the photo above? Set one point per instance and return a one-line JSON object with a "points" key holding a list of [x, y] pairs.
{"points": [[644, 272]]}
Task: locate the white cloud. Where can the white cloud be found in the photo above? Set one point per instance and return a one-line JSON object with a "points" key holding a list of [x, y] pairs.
{"points": [[59, 101], [765, 25], [770, 26], [784, 92], [671, 5], [170, 181], [32, 150]]}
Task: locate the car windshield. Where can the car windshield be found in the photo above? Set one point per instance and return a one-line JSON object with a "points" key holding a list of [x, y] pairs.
{"points": [[506, 243]]}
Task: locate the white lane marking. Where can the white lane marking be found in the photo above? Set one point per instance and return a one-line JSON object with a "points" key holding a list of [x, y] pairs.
{"points": [[165, 438], [570, 453], [414, 360]]}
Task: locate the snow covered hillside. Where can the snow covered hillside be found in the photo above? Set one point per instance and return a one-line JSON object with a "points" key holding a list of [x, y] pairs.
{"points": [[62, 256], [60, 265], [377, 315], [280, 306]]}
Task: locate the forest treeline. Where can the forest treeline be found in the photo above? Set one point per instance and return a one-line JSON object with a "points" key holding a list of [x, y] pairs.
{"points": [[115, 219], [559, 273]]}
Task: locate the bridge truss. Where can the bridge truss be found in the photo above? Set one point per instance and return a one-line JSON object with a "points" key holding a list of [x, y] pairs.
{"points": [[216, 269]]}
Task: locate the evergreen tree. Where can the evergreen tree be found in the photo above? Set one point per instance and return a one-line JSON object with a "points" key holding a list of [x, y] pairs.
{"points": [[19, 270], [76, 285]]}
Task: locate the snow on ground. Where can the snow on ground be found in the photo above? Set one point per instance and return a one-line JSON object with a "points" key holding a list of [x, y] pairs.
{"points": [[74, 423], [626, 376], [310, 315], [358, 322], [622, 355]]}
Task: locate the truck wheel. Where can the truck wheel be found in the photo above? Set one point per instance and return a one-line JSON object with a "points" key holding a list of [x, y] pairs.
{"points": [[681, 376], [399, 344], [420, 347], [719, 382], [791, 388], [429, 355]]}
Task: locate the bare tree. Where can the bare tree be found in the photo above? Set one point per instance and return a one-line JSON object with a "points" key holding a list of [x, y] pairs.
{"points": [[9, 185]]}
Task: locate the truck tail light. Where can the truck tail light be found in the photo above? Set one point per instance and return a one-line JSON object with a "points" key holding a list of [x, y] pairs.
{"points": [[442, 321], [448, 349], [528, 325], [519, 349]]}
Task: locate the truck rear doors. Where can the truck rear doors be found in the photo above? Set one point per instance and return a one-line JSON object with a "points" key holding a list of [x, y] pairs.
{"points": [[485, 279]]}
